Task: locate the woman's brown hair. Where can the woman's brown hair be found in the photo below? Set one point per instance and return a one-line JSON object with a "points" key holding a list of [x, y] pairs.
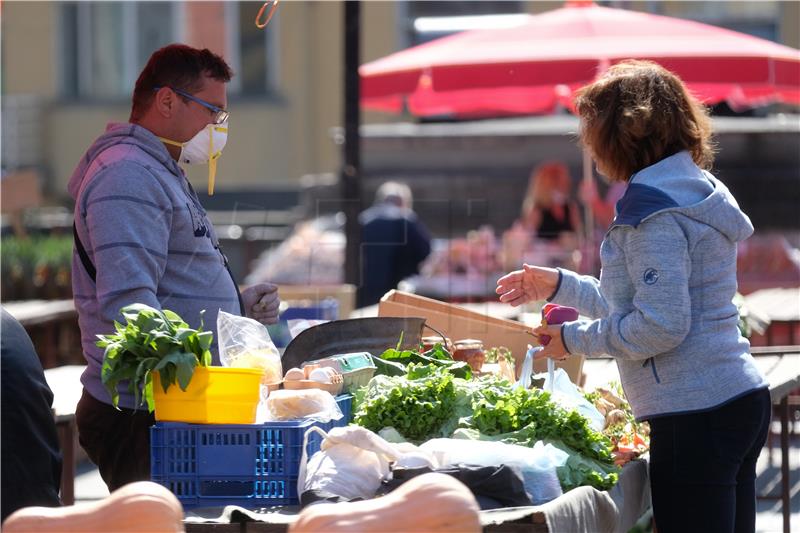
{"points": [[637, 114]]}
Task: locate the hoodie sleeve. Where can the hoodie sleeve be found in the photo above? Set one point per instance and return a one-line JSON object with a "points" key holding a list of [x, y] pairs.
{"points": [[128, 216], [580, 292], [657, 261]]}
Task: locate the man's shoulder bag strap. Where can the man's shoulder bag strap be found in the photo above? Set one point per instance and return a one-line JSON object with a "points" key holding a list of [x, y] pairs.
{"points": [[87, 263]]}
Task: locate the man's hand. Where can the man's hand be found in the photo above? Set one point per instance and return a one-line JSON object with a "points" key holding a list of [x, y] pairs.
{"points": [[532, 283], [555, 348], [261, 302]]}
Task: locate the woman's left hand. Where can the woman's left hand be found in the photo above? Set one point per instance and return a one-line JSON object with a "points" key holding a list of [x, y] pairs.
{"points": [[554, 349]]}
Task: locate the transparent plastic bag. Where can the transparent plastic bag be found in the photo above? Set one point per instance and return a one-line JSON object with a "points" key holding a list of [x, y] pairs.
{"points": [[524, 380], [245, 343], [298, 325], [302, 404], [538, 464], [565, 393]]}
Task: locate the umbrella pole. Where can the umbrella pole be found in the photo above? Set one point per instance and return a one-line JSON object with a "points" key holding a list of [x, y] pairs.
{"points": [[589, 247]]}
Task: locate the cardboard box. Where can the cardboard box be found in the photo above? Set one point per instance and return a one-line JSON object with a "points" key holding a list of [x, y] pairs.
{"points": [[459, 323]]}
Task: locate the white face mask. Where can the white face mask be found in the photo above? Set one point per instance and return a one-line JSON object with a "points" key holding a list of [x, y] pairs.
{"points": [[205, 147]]}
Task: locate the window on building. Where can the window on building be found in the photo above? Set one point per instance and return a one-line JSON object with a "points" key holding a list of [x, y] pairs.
{"points": [[105, 45], [256, 63]]}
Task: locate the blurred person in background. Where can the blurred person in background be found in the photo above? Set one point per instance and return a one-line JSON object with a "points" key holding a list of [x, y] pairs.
{"points": [[393, 242], [663, 306], [603, 208], [549, 209], [29, 451], [142, 236]]}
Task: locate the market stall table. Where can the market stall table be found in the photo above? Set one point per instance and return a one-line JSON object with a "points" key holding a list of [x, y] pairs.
{"points": [[581, 509]]}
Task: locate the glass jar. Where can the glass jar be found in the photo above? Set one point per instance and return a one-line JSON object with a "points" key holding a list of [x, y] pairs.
{"points": [[431, 341], [471, 351]]}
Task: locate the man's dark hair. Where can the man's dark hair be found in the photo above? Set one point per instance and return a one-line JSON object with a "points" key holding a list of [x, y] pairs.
{"points": [[179, 66]]}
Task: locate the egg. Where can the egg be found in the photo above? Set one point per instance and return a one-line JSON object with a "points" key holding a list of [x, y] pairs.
{"points": [[322, 375], [294, 374]]}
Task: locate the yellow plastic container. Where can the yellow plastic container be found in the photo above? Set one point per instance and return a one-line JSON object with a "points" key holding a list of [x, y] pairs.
{"points": [[215, 395]]}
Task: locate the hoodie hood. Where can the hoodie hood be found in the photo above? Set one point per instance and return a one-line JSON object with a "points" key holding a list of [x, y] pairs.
{"points": [[122, 134], [677, 184]]}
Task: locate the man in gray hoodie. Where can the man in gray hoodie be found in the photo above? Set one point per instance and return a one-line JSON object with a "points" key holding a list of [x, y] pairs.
{"points": [[142, 236]]}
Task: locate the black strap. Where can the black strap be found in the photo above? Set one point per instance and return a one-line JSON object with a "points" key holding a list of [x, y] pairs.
{"points": [[87, 263], [242, 311], [89, 266]]}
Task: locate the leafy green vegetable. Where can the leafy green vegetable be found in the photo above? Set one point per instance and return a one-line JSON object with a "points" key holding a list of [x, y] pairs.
{"points": [[533, 411], [151, 340], [416, 408], [388, 368], [437, 356]]}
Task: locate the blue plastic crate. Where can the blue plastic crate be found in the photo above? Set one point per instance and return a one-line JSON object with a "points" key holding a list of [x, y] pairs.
{"points": [[208, 465]]}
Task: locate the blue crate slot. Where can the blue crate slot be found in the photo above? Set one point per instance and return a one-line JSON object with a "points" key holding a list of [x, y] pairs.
{"points": [[234, 464]]}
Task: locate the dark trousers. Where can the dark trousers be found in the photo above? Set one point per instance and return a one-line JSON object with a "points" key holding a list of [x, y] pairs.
{"points": [[703, 466], [118, 442]]}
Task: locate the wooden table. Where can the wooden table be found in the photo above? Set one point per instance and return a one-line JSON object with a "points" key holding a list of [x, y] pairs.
{"points": [[53, 328]]}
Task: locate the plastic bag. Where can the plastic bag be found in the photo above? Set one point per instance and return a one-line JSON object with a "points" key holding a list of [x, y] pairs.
{"points": [[567, 395], [245, 343], [538, 464], [306, 404], [524, 380], [353, 461], [298, 325]]}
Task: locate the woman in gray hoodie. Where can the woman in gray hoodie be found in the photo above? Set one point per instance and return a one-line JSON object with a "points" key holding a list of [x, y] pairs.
{"points": [[663, 304]]}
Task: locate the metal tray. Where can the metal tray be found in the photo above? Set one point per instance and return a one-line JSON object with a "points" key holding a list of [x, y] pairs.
{"points": [[373, 335]]}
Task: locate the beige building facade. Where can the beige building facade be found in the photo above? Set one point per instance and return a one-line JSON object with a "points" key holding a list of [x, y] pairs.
{"points": [[68, 68]]}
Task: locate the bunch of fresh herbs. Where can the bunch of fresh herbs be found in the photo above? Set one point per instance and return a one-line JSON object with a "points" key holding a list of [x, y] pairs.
{"points": [[151, 340]]}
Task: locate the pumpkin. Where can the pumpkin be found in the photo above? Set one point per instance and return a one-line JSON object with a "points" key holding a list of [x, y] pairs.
{"points": [[430, 503], [143, 506]]}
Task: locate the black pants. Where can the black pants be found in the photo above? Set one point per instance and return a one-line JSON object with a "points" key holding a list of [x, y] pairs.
{"points": [[703, 466], [118, 442]]}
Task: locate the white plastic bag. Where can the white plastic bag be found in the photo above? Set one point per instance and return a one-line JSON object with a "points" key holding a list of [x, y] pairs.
{"points": [[567, 395], [298, 325], [353, 461], [524, 380], [245, 343], [538, 464]]}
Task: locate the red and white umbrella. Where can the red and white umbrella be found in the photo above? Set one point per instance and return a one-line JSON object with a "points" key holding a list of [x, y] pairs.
{"points": [[536, 66]]}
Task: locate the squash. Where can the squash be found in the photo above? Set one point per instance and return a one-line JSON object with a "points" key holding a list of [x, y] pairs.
{"points": [[427, 503], [143, 506]]}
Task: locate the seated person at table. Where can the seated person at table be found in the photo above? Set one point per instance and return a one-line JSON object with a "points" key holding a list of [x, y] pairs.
{"points": [[549, 209], [393, 242], [30, 456]]}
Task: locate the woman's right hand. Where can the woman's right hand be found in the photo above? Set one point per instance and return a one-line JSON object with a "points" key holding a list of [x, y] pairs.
{"points": [[532, 283]]}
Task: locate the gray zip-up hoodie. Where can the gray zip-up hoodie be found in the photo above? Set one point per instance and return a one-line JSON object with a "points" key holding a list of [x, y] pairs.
{"points": [[663, 305], [149, 239]]}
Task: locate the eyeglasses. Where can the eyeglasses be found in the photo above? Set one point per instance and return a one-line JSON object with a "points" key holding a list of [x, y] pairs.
{"points": [[220, 115]]}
